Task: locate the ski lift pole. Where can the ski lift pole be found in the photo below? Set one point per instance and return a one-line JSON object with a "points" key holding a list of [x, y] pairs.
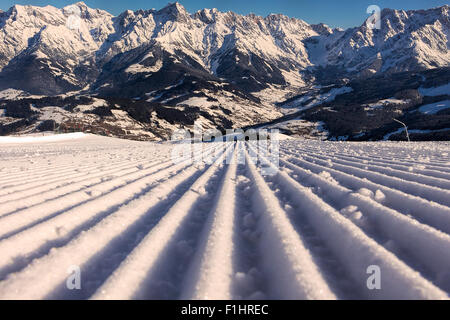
{"points": [[406, 128]]}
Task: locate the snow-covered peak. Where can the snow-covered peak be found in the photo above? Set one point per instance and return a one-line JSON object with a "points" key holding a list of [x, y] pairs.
{"points": [[81, 5], [322, 29], [174, 7], [85, 11], [206, 15], [174, 11], [407, 40], [224, 44]]}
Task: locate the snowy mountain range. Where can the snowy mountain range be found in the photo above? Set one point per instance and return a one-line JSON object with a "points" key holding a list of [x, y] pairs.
{"points": [[228, 66]]}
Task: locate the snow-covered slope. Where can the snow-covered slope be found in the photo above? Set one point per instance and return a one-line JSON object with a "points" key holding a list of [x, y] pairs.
{"points": [[154, 118], [41, 53], [138, 225], [407, 40]]}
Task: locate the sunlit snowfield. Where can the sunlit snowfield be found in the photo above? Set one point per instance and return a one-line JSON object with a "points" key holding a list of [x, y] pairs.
{"points": [[140, 226]]}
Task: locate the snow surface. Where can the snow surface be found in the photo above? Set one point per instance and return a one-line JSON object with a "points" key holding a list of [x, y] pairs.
{"points": [[41, 137], [301, 129], [434, 108], [436, 91], [141, 226], [385, 102], [299, 104], [329, 96], [11, 94]]}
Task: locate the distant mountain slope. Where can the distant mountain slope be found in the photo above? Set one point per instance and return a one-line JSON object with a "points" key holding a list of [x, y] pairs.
{"points": [[210, 60], [250, 51]]}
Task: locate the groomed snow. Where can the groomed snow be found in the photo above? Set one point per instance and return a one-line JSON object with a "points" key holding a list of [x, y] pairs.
{"points": [[41, 137], [140, 226]]}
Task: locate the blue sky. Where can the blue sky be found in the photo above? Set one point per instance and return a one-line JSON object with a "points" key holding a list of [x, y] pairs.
{"points": [[336, 13]]}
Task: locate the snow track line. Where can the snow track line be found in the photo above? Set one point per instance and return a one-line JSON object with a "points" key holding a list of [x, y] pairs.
{"points": [[91, 242], [101, 170], [438, 195], [431, 247], [211, 273], [249, 282], [44, 176], [293, 274], [61, 176], [44, 211], [344, 239], [77, 177], [141, 226], [427, 168], [394, 165], [29, 217], [35, 282], [62, 180], [135, 271], [54, 190], [37, 171], [431, 213], [408, 176], [55, 231], [413, 159], [374, 156]]}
